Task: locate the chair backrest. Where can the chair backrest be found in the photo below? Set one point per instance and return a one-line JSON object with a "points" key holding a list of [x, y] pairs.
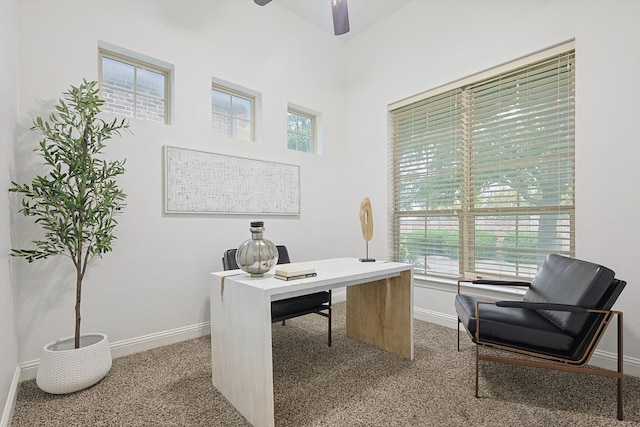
{"points": [[564, 280], [229, 260], [587, 340], [283, 254], [229, 257]]}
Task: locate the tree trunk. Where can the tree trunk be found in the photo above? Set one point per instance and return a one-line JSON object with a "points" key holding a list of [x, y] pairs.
{"points": [[78, 298]]}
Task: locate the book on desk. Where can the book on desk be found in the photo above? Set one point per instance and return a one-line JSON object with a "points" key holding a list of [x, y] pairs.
{"points": [[294, 272]]}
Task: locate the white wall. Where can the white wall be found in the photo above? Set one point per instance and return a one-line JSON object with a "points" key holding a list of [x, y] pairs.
{"points": [[8, 94], [431, 43], [156, 279]]}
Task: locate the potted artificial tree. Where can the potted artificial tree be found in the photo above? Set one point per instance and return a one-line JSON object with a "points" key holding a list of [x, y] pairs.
{"points": [[75, 202]]}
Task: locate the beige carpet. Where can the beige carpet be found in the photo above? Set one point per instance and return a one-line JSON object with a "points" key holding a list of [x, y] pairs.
{"points": [[348, 384]]}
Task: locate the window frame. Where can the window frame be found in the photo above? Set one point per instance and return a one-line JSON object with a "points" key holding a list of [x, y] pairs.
{"points": [[138, 61], [239, 92], [466, 214], [316, 127]]}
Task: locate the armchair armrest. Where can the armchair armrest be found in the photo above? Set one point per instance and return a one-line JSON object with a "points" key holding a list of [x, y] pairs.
{"points": [[493, 283], [500, 282], [542, 306]]}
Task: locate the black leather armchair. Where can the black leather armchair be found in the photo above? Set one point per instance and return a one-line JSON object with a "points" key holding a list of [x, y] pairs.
{"points": [[557, 325], [318, 302]]}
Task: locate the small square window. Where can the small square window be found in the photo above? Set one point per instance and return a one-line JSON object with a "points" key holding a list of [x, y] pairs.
{"points": [[300, 131], [232, 113], [134, 88]]}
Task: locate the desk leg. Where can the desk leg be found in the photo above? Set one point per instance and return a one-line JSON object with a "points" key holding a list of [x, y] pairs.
{"points": [[380, 313], [241, 358]]}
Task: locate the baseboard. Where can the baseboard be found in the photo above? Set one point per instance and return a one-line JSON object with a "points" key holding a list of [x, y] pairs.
{"points": [[608, 360], [158, 339], [436, 317], [602, 359], [338, 295], [9, 405], [29, 369], [134, 345]]}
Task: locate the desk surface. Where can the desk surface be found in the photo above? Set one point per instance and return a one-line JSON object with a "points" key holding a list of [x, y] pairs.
{"points": [[332, 273]]}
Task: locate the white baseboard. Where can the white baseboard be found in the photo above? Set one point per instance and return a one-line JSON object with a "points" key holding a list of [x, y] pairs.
{"points": [[608, 360], [9, 405], [129, 346], [134, 345], [159, 339], [28, 370], [338, 295], [602, 359], [438, 318]]}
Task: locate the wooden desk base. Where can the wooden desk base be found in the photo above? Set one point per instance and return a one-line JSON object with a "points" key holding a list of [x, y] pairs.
{"points": [[373, 316]]}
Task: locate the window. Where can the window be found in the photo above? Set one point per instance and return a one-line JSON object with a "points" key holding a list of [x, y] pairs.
{"points": [[134, 88], [300, 131], [232, 112], [482, 171]]}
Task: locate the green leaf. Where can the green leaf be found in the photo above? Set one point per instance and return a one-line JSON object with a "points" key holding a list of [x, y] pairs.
{"points": [[75, 200]]}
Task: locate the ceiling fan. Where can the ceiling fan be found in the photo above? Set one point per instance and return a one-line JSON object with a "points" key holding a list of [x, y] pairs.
{"points": [[340, 15]]}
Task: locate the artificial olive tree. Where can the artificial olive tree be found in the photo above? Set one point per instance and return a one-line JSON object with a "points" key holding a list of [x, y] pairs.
{"points": [[76, 200]]}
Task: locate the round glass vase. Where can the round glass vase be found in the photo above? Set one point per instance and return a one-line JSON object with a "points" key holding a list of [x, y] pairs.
{"points": [[257, 255]]}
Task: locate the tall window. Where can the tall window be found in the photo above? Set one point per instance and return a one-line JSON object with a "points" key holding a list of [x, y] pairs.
{"points": [[482, 171], [232, 113], [300, 131], [134, 88]]}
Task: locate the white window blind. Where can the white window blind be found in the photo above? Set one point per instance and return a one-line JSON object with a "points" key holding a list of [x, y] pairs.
{"points": [[482, 175]]}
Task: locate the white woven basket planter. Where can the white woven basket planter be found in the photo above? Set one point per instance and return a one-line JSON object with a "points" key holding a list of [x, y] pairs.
{"points": [[65, 369]]}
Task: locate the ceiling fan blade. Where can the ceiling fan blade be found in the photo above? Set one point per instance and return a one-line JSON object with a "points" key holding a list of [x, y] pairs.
{"points": [[261, 2], [340, 16]]}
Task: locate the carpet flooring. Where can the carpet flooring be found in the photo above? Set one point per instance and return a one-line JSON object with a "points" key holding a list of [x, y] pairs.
{"points": [[348, 384]]}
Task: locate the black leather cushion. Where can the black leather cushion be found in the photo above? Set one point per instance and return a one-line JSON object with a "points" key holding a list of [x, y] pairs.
{"points": [[511, 324], [565, 280], [301, 304]]}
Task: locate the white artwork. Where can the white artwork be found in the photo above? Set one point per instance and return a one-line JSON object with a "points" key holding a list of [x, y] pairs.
{"points": [[201, 182]]}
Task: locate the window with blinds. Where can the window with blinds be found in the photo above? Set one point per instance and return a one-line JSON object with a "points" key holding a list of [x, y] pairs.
{"points": [[482, 171]]}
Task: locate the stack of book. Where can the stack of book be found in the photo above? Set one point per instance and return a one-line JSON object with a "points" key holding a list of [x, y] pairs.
{"points": [[292, 272]]}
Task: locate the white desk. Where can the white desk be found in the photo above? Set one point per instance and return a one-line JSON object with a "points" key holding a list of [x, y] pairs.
{"points": [[379, 312]]}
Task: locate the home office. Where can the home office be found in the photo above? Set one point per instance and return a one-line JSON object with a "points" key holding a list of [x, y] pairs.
{"points": [[153, 289]]}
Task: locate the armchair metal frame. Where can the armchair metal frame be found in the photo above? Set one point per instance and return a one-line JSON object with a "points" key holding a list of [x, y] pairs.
{"points": [[544, 359]]}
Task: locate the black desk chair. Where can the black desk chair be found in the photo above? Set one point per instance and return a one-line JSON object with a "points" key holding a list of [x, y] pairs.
{"points": [[317, 303], [557, 325]]}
